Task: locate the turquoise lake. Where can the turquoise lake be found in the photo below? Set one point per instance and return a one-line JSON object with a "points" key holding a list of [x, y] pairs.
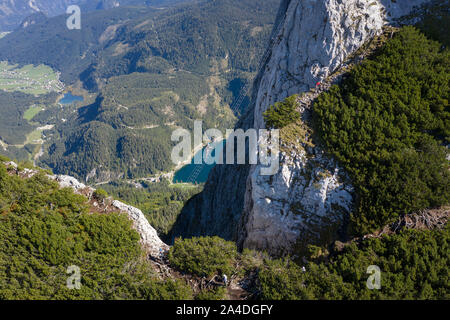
{"points": [[69, 98], [184, 175]]}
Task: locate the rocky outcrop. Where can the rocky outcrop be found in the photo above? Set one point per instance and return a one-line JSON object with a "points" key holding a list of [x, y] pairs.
{"points": [[305, 203], [307, 200], [316, 38], [149, 237]]}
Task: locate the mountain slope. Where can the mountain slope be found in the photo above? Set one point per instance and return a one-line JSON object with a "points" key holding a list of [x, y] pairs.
{"points": [[49, 232], [309, 199], [151, 70], [13, 12]]}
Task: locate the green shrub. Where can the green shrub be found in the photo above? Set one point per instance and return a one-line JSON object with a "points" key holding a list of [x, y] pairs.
{"points": [[282, 113], [167, 290], [413, 265], [218, 293], [203, 256], [45, 229], [252, 259], [386, 123], [100, 195]]}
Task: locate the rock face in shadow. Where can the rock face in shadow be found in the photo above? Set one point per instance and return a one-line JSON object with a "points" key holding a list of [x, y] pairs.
{"points": [[214, 213], [308, 199], [150, 240]]}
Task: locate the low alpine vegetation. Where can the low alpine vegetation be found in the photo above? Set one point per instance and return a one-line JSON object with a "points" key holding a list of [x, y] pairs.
{"points": [[387, 124], [203, 256], [282, 113], [45, 230]]}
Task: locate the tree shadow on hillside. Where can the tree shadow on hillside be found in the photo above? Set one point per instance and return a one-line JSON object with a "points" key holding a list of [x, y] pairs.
{"points": [[90, 112]]}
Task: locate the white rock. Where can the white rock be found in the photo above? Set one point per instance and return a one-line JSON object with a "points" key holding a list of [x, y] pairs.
{"points": [[315, 39], [149, 237], [68, 182], [11, 164]]}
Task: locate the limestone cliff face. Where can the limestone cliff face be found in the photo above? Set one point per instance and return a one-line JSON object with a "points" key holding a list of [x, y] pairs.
{"points": [[315, 39], [307, 199]]}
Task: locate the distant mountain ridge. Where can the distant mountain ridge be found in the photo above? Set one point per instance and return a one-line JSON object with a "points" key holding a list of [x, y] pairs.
{"points": [[13, 12]]}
